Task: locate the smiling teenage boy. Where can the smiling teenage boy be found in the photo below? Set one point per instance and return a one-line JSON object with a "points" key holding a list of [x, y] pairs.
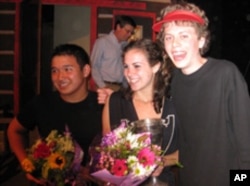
{"points": [[211, 100]]}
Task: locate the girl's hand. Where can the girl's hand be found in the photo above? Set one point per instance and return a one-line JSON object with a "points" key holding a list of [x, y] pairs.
{"points": [[158, 170]]}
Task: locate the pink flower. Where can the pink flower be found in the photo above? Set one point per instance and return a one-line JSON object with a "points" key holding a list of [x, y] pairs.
{"points": [[146, 157], [119, 168]]}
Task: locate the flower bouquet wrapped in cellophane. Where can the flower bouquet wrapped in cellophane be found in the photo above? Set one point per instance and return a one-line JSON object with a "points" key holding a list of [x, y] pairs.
{"points": [[57, 159], [124, 158]]}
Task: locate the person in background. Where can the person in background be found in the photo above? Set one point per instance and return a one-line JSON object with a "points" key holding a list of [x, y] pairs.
{"points": [[211, 100], [147, 96], [72, 104], [106, 62]]}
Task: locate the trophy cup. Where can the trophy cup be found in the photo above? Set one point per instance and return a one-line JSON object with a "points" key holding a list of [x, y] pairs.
{"points": [[155, 127]]}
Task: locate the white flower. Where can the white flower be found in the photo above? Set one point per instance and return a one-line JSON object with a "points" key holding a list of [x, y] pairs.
{"points": [[138, 170], [132, 160], [133, 140], [120, 132]]}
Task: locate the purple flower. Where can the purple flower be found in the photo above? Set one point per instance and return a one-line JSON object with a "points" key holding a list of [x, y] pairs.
{"points": [[109, 139]]}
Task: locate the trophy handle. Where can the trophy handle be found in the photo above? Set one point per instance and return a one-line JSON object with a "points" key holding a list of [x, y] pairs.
{"points": [[170, 119]]}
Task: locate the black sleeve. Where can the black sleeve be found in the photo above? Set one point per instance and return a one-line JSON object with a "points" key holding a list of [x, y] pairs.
{"points": [[27, 115]]}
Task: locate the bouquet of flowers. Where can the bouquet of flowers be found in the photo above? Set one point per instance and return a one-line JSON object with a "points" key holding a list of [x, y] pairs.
{"points": [[56, 159], [125, 158]]}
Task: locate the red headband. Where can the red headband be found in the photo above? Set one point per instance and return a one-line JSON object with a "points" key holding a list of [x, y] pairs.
{"points": [[178, 15]]}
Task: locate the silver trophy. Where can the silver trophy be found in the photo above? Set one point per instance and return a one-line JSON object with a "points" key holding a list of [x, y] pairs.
{"points": [[156, 128]]}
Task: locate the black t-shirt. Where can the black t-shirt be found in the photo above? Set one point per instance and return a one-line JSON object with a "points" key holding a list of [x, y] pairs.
{"points": [[213, 106], [48, 112]]}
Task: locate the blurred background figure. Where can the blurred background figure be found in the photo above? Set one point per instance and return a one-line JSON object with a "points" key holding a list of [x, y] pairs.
{"points": [[106, 61]]}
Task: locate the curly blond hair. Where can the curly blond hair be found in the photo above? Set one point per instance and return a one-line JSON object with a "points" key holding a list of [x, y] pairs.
{"points": [[201, 29]]}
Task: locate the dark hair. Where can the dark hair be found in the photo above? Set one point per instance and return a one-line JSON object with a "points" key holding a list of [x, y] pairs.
{"points": [[124, 20], [78, 52], [155, 53]]}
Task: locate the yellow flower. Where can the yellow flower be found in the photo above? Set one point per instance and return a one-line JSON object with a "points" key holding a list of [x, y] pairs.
{"points": [[27, 165], [56, 161]]}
